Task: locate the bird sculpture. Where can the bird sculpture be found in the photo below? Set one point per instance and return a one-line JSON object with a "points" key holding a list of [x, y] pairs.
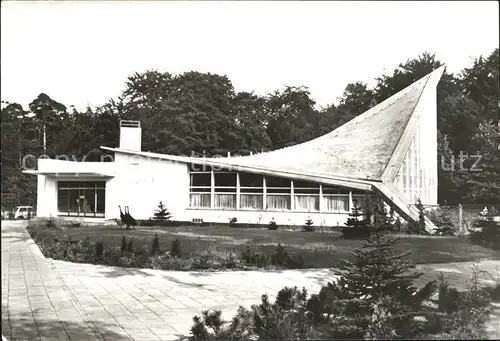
{"points": [[129, 220], [122, 216]]}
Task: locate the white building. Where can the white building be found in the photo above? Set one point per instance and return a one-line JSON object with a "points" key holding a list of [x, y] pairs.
{"points": [[391, 149]]}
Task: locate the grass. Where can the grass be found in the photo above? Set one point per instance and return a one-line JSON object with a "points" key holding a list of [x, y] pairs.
{"points": [[317, 249]]}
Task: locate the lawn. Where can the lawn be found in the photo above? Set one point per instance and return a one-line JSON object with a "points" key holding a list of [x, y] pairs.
{"points": [[317, 249]]}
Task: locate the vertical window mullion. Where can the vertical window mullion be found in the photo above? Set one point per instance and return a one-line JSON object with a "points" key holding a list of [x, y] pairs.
{"points": [[264, 193], [237, 190], [321, 203], [212, 189]]}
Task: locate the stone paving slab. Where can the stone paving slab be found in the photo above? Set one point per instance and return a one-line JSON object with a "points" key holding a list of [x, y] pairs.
{"points": [[44, 299]]}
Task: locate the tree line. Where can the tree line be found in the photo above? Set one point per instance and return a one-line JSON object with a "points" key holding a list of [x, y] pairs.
{"points": [[201, 113]]}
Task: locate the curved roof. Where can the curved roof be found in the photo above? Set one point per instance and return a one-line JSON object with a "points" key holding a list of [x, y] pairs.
{"points": [[361, 148], [359, 151]]}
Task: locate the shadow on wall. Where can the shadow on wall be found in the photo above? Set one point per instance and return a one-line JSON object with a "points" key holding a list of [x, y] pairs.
{"points": [[23, 327]]}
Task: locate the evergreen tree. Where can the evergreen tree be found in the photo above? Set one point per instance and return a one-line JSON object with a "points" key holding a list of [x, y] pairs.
{"points": [[419, 226], [357, 225], [379, 282], [445, 226], [155, 246], [162, 212], [308, 227]]}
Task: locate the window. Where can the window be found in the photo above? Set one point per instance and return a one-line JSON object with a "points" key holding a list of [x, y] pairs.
{"points": [[278, 193], [81, 198], [306, 196], [200, 189], [225, 190], [335, 199], [251, 191]]}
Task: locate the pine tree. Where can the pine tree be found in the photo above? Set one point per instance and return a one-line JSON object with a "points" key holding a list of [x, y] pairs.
{"points": [[380, 280], [419, 226], [445, 226], [162, 212], [308, 227], [357, 225]]}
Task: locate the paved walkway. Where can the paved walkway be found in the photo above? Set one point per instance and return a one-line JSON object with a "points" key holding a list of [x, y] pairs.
{"points": [[44, 299]]}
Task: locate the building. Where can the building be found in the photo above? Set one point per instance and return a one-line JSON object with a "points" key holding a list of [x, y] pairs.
{"points": [[391, 149]]}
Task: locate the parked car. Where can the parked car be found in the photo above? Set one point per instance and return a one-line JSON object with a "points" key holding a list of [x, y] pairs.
{"points": [[24, 212]]}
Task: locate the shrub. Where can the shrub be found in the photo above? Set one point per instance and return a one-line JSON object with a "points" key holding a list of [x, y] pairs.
{"points": [[253, 258], [272, 225], [176, 250], [356, 227], [418, 227], [130, 245], [464, 314], [155, 246], [282, 259], [99, 249], [50, 222], [142, 258], [308, 227], [124, 244], [232, 221], [488, 234]]}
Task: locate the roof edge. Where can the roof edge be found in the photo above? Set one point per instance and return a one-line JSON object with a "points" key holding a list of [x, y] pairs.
{"points": [[398, 154], [321, 178]]}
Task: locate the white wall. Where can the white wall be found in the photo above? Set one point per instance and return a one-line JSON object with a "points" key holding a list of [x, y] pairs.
{"points": [[264, 217], [141, 183], [46, 204], [424, 143], [47, 185]]}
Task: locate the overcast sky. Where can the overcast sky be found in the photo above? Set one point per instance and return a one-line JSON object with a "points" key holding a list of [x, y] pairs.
{"points": [[82, 52]]}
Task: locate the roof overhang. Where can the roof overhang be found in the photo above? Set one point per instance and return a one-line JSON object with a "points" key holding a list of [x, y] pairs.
{"points": [[336, 180], [70, 174]]}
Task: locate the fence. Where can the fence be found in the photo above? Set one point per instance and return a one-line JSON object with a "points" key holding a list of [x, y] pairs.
{"points": [[462, 216], [11, 200]]}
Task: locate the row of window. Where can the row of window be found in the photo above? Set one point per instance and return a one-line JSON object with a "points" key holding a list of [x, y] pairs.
{"points": [[236, 190], [274, 202]]}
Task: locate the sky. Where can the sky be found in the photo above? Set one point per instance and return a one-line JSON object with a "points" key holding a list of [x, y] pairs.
{"points": [[81, 53]]}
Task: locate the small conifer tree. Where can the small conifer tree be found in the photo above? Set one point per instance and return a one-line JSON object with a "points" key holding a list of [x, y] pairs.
{"points": [[380, 277], [308, 226], [162, 213], [155, 246], [357, 224], [124, 244]]}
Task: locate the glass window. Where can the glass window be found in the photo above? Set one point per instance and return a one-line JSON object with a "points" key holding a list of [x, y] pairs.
{"points": [[278, 202], [251, 201], [251, 180], [224, 179], [81, 198], [199, 200], [201, 179]]}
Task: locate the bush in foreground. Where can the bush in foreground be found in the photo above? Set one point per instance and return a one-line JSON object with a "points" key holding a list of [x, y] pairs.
{"points": [[374, 298], [56, 244], [487, 235]]}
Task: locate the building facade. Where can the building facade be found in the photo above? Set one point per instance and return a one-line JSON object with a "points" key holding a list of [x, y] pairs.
{"points": [[391, 150]]}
